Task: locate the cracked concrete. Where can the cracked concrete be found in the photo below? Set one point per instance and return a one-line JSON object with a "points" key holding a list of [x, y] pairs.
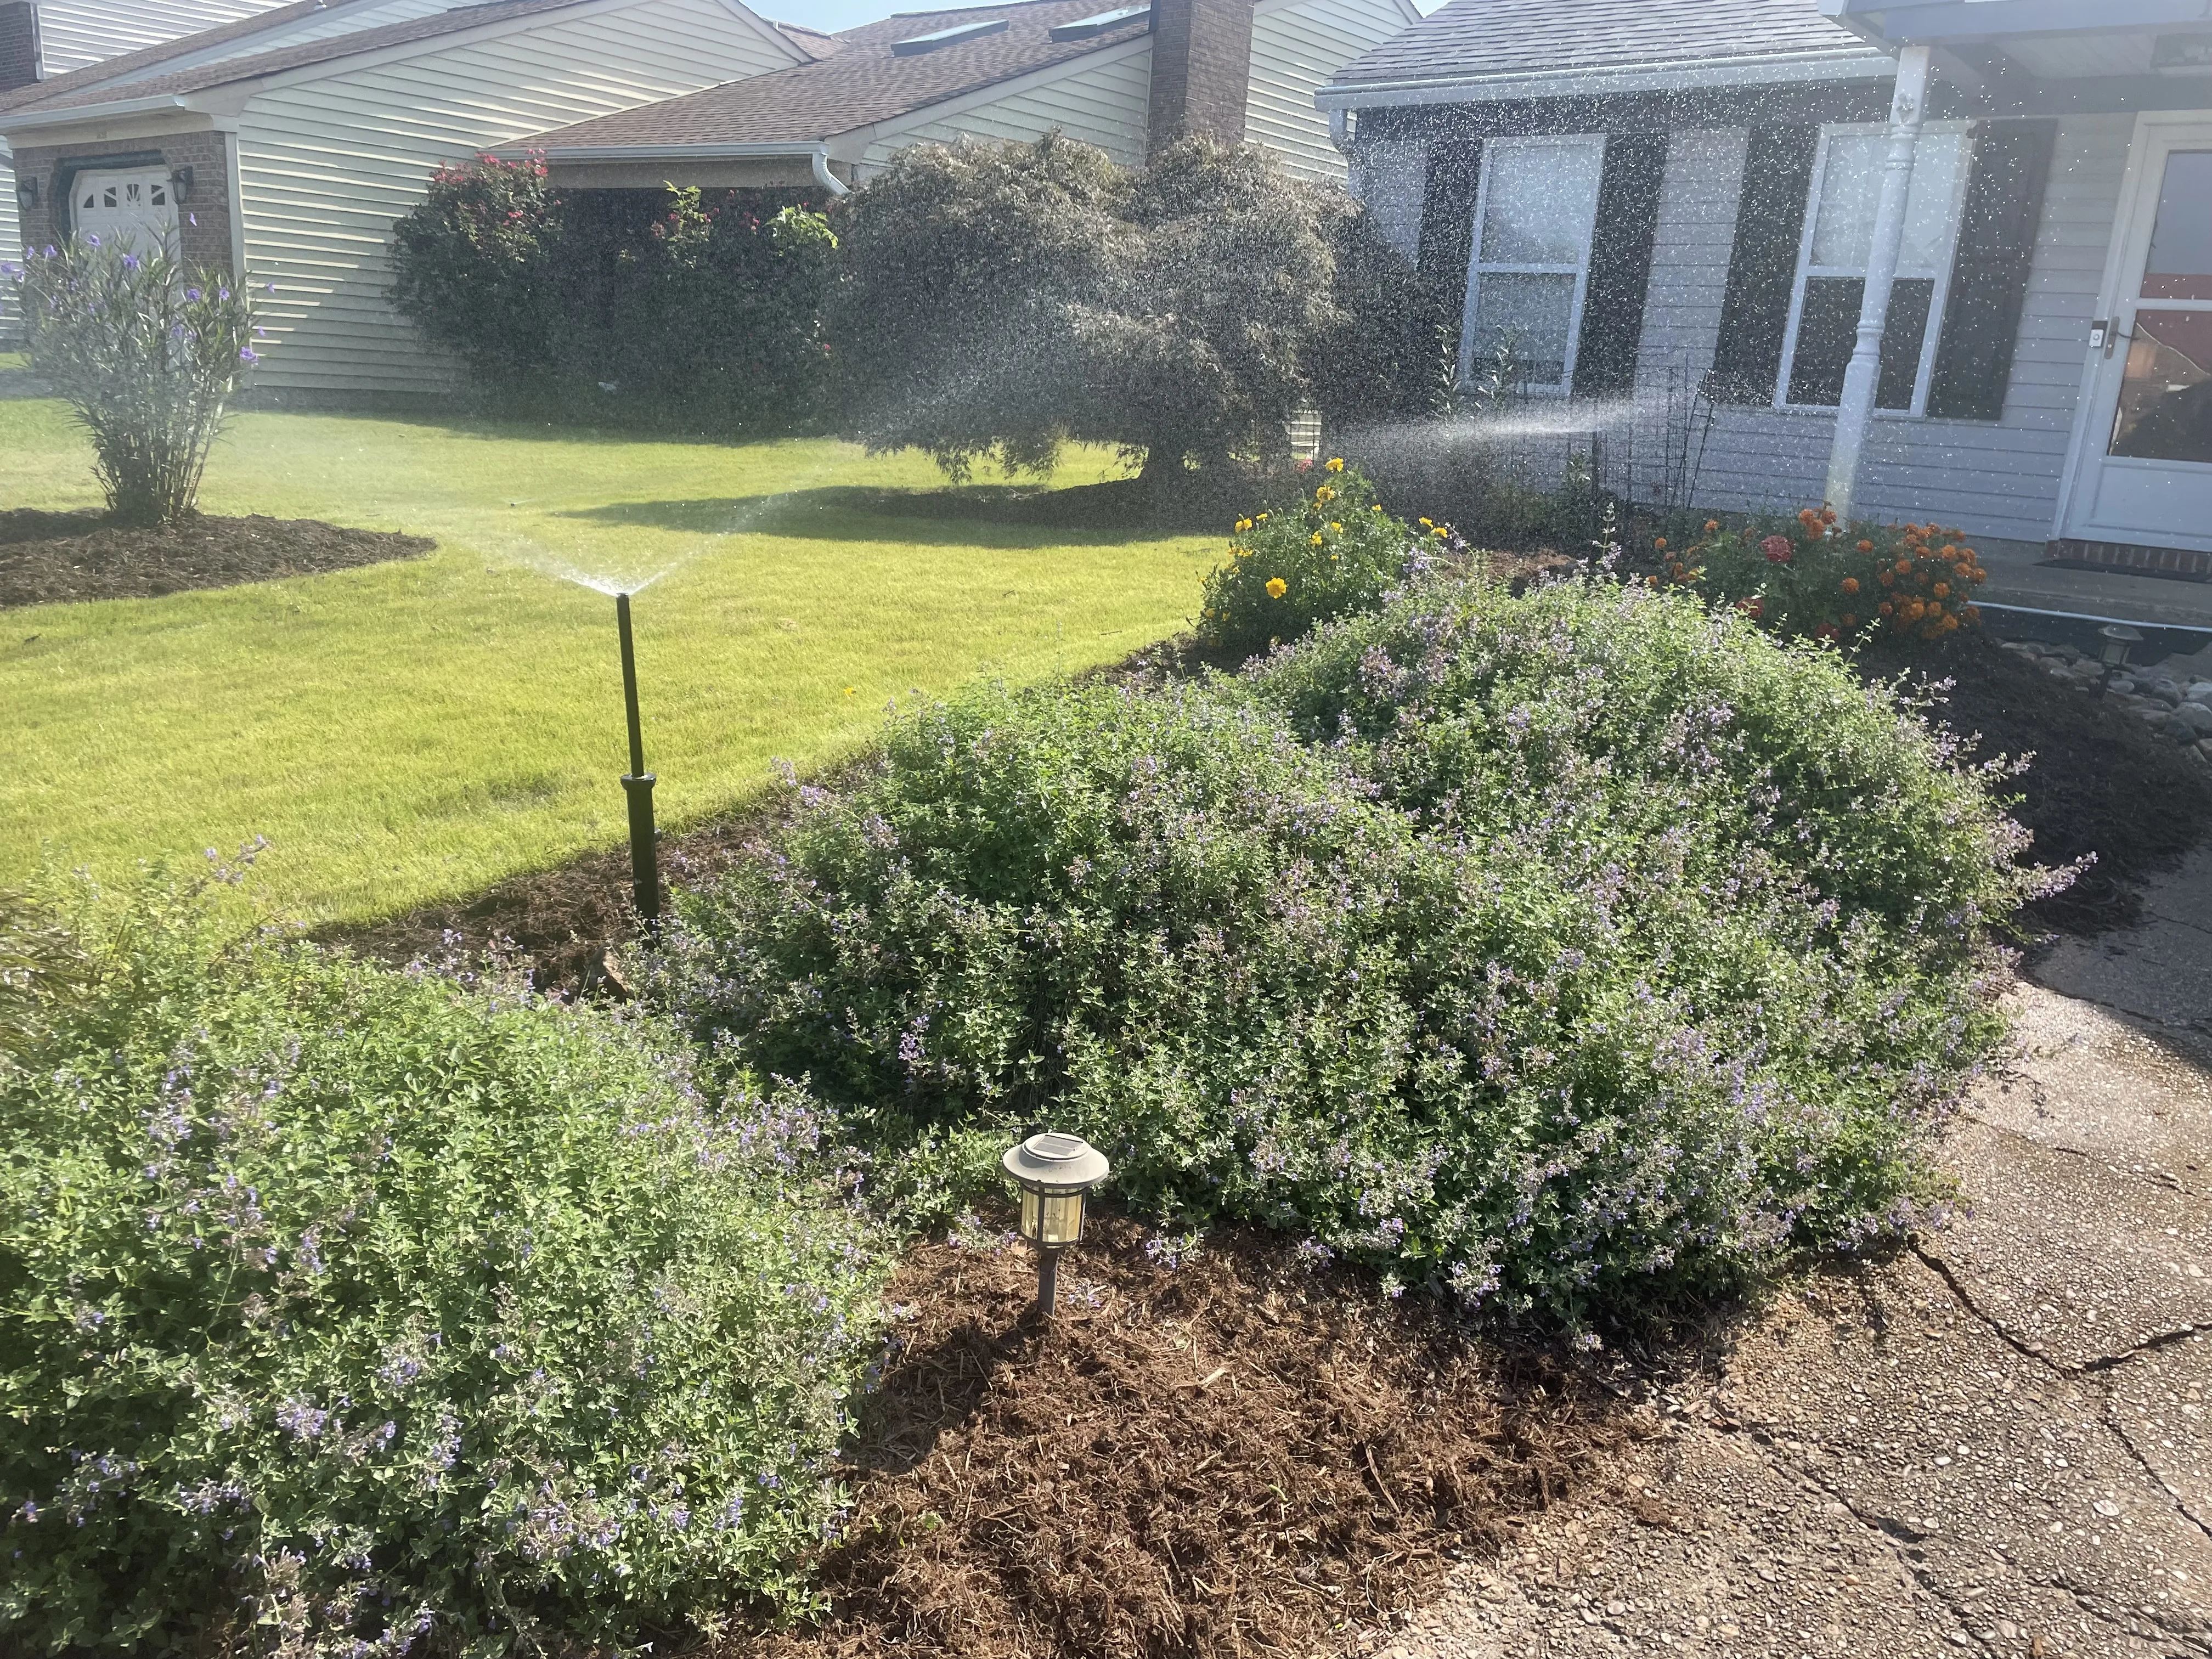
{"points": [[1999, 1441]]}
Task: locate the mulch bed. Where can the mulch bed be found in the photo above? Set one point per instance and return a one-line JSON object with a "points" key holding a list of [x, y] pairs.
{"points": [[1236, 1454], [49, 557], [2100, 781]]}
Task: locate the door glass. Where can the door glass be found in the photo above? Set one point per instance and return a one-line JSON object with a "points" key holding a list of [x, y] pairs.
{"points": [[2166, 397], [2165, 411]]}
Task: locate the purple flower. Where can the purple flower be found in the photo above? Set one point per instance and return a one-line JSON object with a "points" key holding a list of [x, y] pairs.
{"points": [[248, 355], [192, 294], [90, 241], [130, 262]]}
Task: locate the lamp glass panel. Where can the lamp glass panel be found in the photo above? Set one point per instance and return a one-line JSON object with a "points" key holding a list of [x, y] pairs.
{"points": [[1062, 1218], [1031, 1222]]}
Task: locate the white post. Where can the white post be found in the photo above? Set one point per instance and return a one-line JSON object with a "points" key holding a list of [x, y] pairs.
{"points": [[1855, 414]]}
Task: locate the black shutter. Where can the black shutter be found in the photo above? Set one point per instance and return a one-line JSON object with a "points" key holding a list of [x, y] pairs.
{"points": [[1770, 220], [1989, 275], [1448, 214], [1621, 263]]}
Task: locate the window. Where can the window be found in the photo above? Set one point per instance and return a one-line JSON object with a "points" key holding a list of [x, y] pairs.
{"points": [[1534, 209], [2165, 411], [1831, 263]]}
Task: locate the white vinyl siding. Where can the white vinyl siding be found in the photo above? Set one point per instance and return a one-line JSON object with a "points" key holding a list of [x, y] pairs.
{"points": [[1297, 50], [1101, 104], [321, 26], [11, 244], [73, 33], [1991, 478], [327, 165]]}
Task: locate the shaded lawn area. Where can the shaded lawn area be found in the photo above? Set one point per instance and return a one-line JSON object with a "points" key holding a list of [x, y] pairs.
{"points": [[409, 732]]}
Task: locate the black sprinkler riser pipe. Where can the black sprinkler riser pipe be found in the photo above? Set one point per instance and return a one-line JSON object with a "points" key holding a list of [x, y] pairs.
{"points": [[637, 785]]}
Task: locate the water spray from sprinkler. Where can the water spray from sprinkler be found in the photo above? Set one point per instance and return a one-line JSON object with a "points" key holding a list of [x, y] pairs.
{"points": [[637, 784]]}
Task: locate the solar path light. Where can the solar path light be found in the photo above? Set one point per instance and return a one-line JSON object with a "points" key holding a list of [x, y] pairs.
{"points": [[1055, 1173], [2118, 639]]}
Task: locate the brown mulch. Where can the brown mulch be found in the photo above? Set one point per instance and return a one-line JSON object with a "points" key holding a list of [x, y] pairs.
{"points": [[1234, 1456], [2099, 782], [49, 557]]}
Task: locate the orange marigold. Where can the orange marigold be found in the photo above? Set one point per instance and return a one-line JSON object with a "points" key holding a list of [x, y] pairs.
{"points": [[1866, 547], [1850, 584]]}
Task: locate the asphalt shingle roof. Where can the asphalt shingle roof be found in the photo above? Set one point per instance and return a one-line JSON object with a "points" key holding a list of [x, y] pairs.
{"points": [[1471, 37], [860, 83]]}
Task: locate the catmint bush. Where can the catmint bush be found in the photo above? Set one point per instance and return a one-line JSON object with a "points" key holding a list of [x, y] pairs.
{"points": [[147, 351], [390, 1312], [1567, 953]]}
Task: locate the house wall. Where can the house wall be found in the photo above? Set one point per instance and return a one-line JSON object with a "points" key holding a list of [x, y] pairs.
{"points": [[327, 164], [1103, 104], [1297, 50], [1990, 478]]}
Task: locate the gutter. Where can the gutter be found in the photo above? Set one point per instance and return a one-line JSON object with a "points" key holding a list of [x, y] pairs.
{"points": [[1845, 64], [71, 114], [817, 154]]}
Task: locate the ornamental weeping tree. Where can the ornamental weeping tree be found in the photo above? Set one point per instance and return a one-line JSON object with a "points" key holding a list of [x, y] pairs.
{"points": [[148, 352]]}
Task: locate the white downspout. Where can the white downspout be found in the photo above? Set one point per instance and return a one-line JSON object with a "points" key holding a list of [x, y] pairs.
{"points": [[1855, 414], [828, 181]]}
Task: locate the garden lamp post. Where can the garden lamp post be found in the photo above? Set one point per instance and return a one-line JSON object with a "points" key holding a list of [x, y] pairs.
{"points": [[1055, 1173], [2118, 639], [637, 784]]}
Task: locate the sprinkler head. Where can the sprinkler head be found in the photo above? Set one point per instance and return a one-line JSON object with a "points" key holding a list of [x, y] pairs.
{"points": [[637, 785]]}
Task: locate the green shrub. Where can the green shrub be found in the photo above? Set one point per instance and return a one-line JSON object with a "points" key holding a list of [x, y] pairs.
{"points": [[1329, 550], [378, 1307], [1806, 578], [675, 308], [146, 350], [1580, 949]]}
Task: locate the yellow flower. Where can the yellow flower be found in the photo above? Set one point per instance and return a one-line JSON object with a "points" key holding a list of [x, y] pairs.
{"points": [[1439, 531], [1338, 528], [1336, 464], [1427, 523], [1263, 518], [1377, 508], [850, 689], [1243, 525], [1277, 587], [1316, 538]]}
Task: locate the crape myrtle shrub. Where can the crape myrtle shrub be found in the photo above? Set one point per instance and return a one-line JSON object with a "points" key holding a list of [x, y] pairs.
{"points": [[1572, 951], [996, 301], [382, 1309], [676, 308]]}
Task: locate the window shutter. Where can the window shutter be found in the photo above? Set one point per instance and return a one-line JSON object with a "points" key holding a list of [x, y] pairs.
{"points": [[1621, 263], [1770, 220], [1448, 214], [1989, 274]]}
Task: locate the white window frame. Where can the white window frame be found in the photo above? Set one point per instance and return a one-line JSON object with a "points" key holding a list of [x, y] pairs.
{"points": [[1580, 271], [1954, 211]]}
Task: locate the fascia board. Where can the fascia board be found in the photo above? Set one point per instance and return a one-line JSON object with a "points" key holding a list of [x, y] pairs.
{"points": [[33, 120], [859, 138], [769, 148], [1705, 74], [2000, 20]]}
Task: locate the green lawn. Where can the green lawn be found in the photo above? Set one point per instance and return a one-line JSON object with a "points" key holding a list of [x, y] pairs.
{"points": [[422, 729]]}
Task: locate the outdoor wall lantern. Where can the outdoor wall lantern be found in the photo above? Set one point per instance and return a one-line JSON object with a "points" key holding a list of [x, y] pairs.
{"points": [[1055, 1173], [2118, 636], [180, 184], [26, 190]]}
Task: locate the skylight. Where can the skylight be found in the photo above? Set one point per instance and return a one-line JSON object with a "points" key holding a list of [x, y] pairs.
{"points": [[951, 37], [1084, 29]]}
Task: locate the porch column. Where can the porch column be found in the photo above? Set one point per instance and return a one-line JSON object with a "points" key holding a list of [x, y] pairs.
{"points": [[1908, 107]]}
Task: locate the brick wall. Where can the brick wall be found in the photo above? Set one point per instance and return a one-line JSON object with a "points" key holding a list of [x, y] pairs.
{"points": [[202, 223], [1201, 70], [19, 44]]}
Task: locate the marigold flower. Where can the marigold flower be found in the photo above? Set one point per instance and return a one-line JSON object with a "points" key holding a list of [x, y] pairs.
{"points": [[1324, 494], [1903, 567], [1659, 542], [1777, 548], [1316, 538], [1942, 590], [1850, 584], [1866, 547], [1887, 608], [1277, 587], [1336, 464], [1807, 517], [1711, 525]]}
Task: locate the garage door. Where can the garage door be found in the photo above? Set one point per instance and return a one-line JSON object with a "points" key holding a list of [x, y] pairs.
{"points": [[134, 208]]}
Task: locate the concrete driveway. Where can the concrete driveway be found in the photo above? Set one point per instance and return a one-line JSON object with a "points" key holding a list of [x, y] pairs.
{"points": [[1998, 1441]]}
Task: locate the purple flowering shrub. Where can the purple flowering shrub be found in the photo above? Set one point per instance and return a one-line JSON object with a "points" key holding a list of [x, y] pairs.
{"points": [[1408, 941], [390, 1311], [147, 351]]}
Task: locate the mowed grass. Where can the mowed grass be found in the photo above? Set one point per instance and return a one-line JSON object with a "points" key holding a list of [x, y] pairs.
{"points": [[422, 729]]}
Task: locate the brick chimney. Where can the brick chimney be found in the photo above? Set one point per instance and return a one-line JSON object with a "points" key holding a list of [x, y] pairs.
{"points": [[1201, 70], [19, 44]]}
